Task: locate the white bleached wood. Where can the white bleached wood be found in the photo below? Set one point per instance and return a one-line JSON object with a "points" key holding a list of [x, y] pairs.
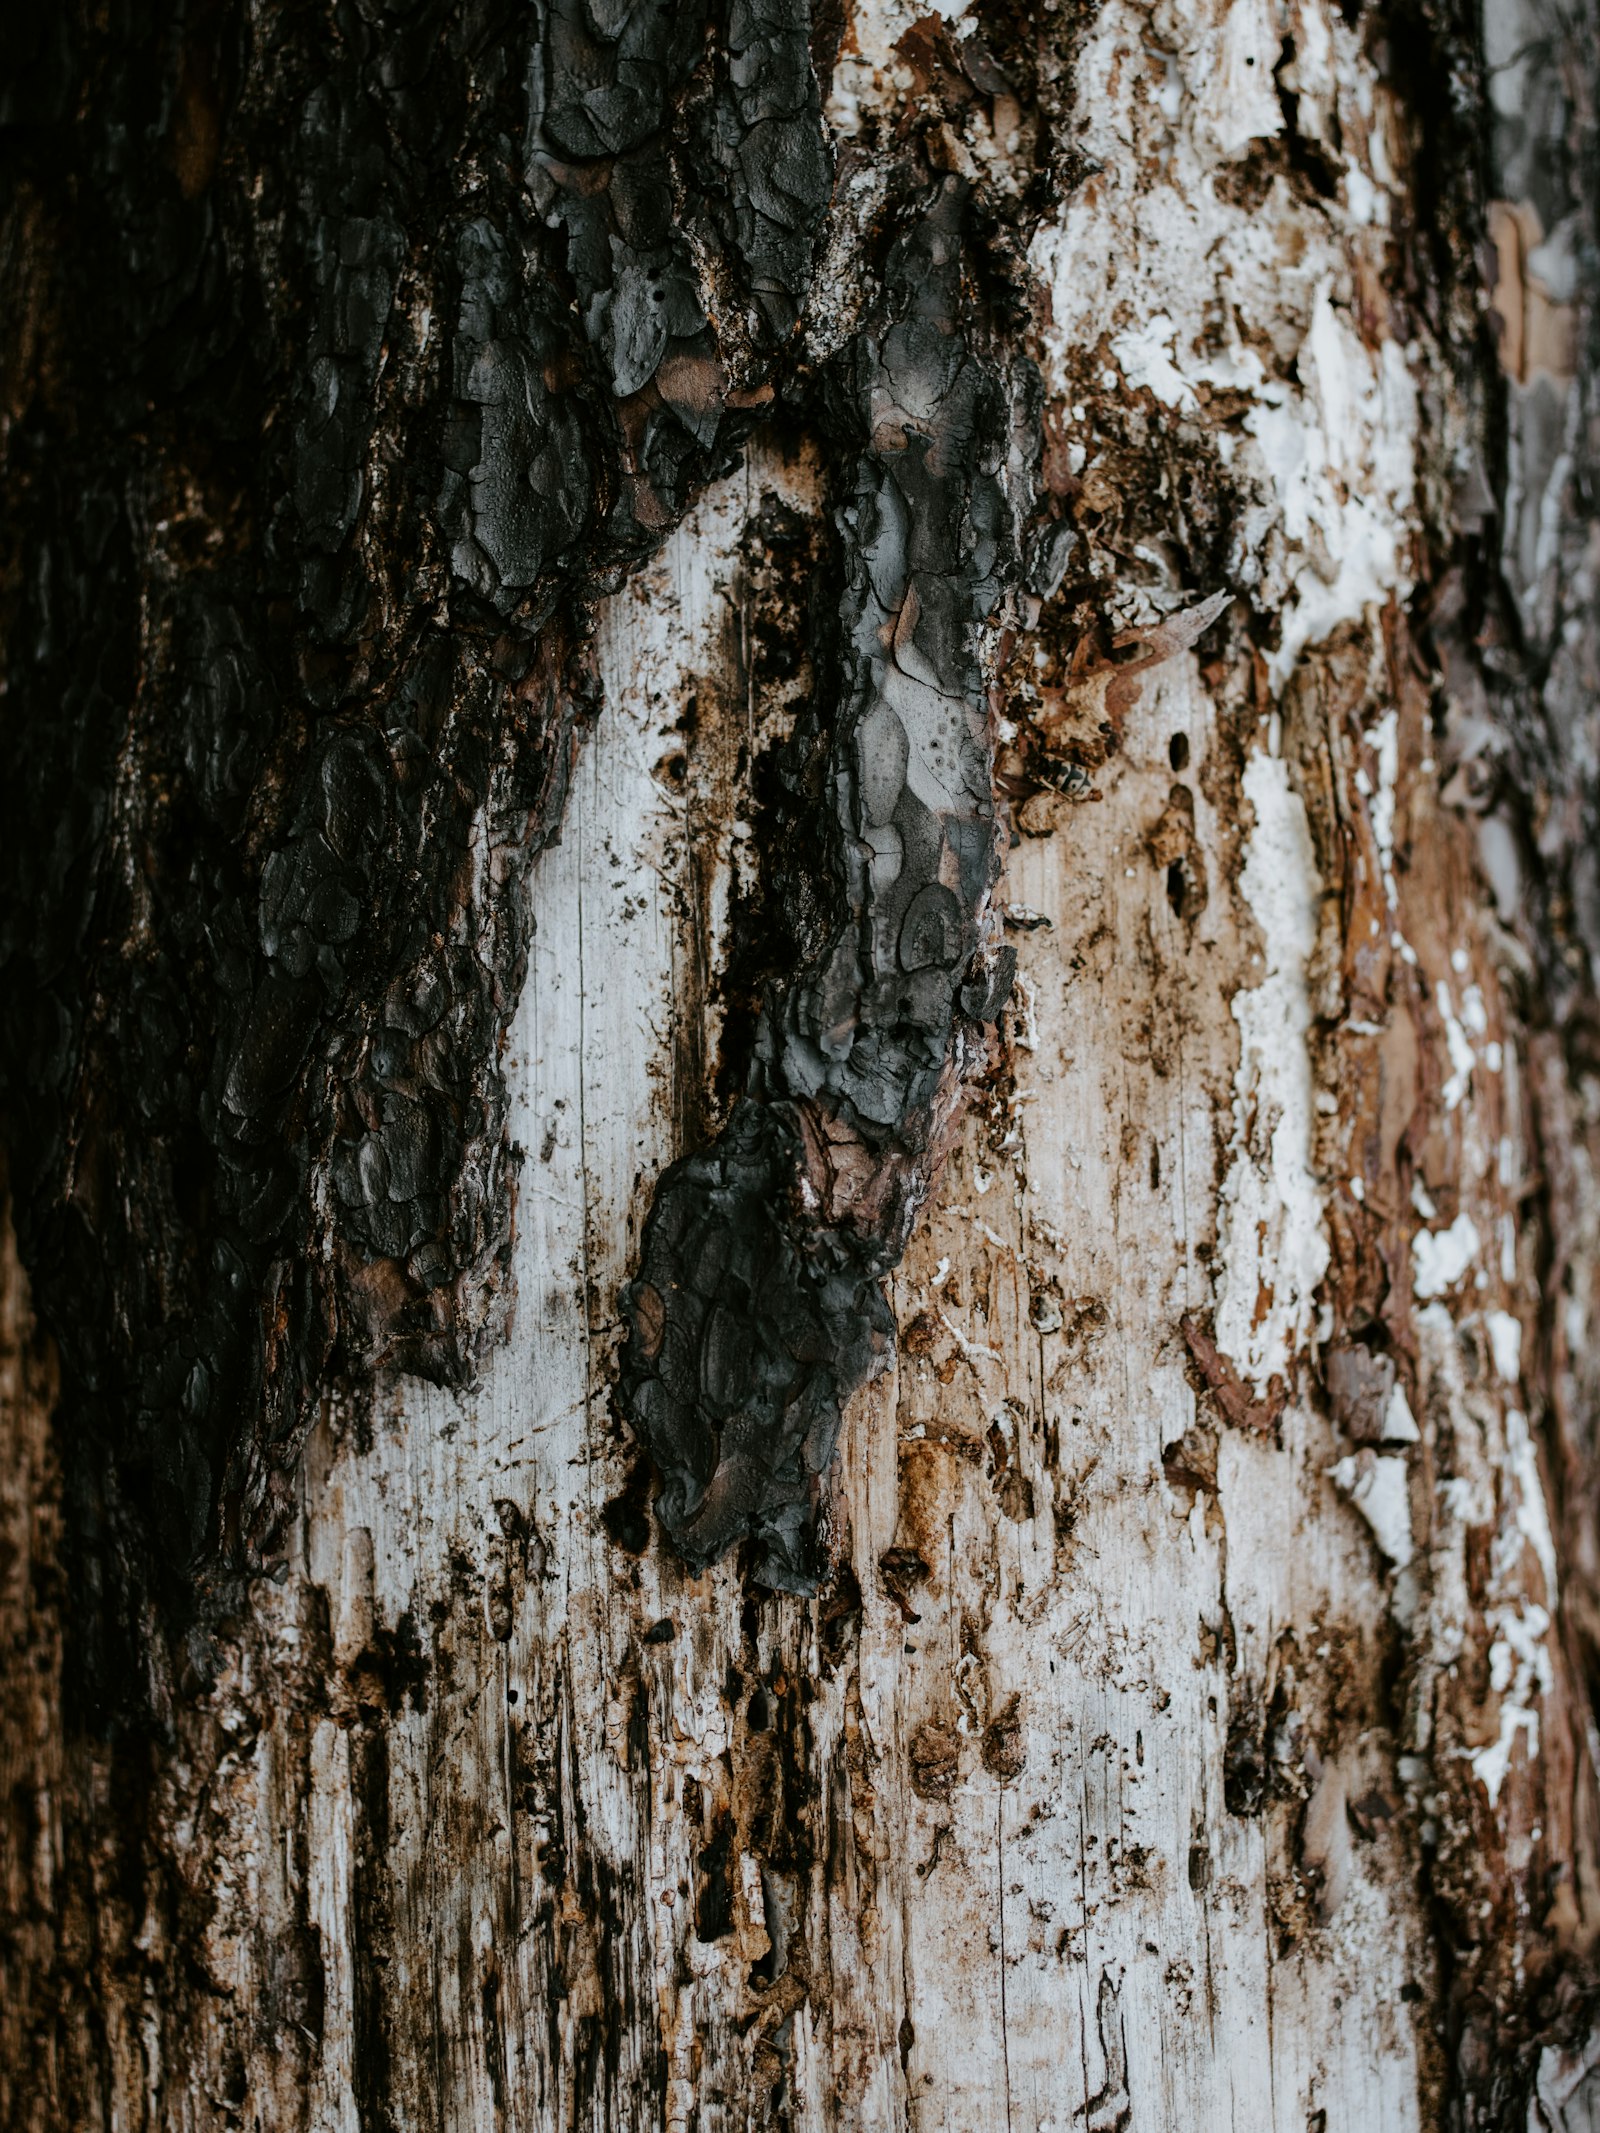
{"points": [[1100, 1898], [1076, 1828]]}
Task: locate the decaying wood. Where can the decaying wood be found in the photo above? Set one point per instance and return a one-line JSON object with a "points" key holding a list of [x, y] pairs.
{"points": [[1194, 1725]]}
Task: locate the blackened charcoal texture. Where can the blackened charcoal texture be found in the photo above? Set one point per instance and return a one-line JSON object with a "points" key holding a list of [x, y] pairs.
{"points": [[647, 124], [758, 1307], [765, 144], [928, 538], [751, 1323], [369, 351]]}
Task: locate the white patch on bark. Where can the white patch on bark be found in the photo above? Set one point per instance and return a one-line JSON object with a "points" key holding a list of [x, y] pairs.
{"points": [[1462, 1057], [1380, 1491], [1384, 741], [1519, 1669], [1274, 1246], [1505, 1344], [1237, 96], [1342, 461], [1440, 1257], [1399, 1423], [1493, 1486], [1329, 445], [1532, 1512]]}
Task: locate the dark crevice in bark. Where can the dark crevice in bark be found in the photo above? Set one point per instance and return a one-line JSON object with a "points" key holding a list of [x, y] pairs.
{"points": [[372, 1949]]}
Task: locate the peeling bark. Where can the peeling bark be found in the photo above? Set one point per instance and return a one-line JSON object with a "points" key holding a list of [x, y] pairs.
{"points": [[758, 1310]]}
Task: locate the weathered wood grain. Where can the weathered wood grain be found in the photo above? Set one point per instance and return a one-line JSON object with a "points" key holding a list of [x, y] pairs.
{"points": [[1195, 1731]]}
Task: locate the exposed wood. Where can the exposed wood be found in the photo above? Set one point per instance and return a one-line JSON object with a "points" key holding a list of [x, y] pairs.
{"points": [[1195, 1727]]}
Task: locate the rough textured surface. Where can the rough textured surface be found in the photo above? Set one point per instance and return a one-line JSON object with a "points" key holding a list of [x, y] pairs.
{"points": [[1193, 1724], [758, 1309], [361, 352]]}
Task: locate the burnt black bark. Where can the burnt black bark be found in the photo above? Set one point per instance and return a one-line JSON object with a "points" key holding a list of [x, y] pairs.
{"points": [[759, 1309], [364, 350], [368, 348]]}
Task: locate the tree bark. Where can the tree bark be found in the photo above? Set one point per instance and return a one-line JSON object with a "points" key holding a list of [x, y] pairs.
{"points": [[579, 587]]}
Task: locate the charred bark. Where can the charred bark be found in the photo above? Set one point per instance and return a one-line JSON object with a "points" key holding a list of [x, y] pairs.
{"points": [[361, 356], [759, 1307], [1163, 571]]}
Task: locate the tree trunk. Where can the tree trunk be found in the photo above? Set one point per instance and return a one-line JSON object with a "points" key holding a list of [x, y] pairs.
{"points": [[579, 584]]}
